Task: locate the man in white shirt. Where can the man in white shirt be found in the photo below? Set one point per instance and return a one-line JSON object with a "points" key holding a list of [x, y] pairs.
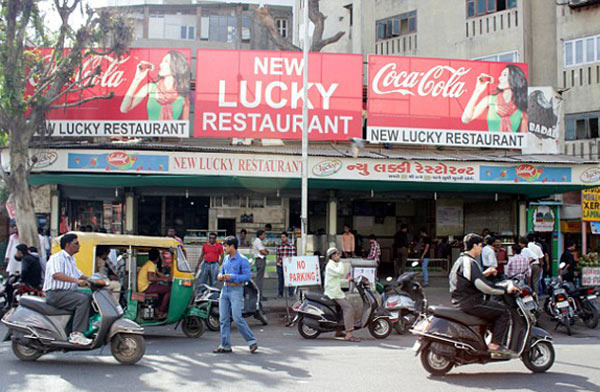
{"points": [[13, 267], [488, 253], [532, 258], [260, 260], [536, 265]]}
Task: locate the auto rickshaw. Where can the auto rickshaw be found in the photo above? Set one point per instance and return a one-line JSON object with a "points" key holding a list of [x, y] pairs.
{"points": [[128, 254]]}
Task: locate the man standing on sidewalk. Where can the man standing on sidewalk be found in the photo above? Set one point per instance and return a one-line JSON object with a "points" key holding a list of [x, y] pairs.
{"points": [[536, 269], [375, 251], [401, 242], [260, 260], [284, 250], [348, 242], [208, 263], [234, 273], [423, 247]]}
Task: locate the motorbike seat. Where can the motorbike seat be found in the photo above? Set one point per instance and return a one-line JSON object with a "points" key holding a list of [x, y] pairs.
{"points": [[39, 305], [321, 298], [406, 277], [456, 315]]}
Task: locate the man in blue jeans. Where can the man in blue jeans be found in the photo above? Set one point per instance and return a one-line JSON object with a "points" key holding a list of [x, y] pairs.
{"points": [[423, 247], [234, 273]]}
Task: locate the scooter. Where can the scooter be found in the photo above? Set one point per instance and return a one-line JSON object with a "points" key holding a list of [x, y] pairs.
{"points": [[36, 328], [559, 305], [207, 298], [12, 290], [318, 313], [584, 304], [449, 337], [405, 300]]}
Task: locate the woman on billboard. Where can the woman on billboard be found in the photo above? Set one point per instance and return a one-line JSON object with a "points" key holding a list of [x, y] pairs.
{"points": [[168, 95], [507, 108]]}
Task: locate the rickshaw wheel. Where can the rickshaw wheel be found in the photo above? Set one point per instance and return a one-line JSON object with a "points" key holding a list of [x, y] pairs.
{"points": [[127, 348], [193, 326]]}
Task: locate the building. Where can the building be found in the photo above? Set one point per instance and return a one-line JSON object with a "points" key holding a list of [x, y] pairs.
{"points": [[196, 184]]}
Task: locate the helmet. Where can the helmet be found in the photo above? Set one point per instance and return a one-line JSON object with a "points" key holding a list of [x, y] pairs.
{"points": [[331, 252]]}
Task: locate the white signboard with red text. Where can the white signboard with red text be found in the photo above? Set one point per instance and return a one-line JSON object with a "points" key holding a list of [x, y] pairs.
{"points": [[432, 101], [259, 94], [146, 94], [301, 271]]}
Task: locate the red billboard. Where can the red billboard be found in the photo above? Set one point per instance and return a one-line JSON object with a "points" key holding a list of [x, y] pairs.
{"points": [[447, 102], [150, 96], [259, 94]]}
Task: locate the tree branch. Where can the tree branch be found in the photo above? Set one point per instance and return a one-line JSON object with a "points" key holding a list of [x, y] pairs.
{"points": [[82, 101]]}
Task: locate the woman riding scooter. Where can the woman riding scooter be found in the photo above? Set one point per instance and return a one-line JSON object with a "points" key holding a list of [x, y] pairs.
{"points": [[333, 289]]}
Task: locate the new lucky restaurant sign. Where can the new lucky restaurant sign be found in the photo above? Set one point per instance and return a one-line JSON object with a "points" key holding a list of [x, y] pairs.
{"points": [[149, 91], [447, 102], [259, 94]]}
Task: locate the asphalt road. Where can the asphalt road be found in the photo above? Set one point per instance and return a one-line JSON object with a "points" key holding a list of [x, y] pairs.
{"points": [[285, 361]]}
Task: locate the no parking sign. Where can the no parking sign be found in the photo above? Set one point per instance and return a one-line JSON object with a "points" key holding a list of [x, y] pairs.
{"points": [[301, 271]]}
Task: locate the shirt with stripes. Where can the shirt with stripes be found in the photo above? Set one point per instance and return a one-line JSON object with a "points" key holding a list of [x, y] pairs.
{"points": [[284, 251], [374, 252], [63, 263]]}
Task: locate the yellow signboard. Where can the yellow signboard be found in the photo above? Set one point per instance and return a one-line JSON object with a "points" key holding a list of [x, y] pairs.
{"points": [[590, 204]]}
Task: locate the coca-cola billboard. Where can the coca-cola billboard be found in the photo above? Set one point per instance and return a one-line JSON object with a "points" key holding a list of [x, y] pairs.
{"points": [[149, 90], [259, 94], [447, 102]]}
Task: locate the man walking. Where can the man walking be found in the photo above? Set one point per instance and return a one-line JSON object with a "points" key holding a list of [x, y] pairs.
{"points": [[234, 273], [423, 247], [401, 242], [208, 263], [285, 250], [260, 260], [13, 267], [536, 269]]}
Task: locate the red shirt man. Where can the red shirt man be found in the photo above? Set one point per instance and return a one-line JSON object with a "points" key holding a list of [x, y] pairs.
{"points": [[212, 252]]}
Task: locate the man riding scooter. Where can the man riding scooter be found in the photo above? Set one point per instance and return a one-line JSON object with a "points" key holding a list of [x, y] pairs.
{"points": [[333, 289], [469, 284]]}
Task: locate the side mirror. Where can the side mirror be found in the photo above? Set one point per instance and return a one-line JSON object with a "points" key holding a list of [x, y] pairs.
{"points": [[562, 265], [415, 264], [388, 279]]}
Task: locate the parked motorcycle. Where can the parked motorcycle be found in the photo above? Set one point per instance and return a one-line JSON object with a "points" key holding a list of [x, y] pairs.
{"points": [[449, 337], [318, 313], [558, 304], [12, 290], [405, 300], [207, 298], [583, 301], [36, 328]]}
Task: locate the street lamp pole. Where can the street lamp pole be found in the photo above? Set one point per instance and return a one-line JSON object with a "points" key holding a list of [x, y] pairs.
{"points": [[304, 202]]}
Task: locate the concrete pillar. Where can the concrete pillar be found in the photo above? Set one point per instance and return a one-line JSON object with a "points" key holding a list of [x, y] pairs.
{"points": [[163, 215], [54, 213], [129, 213], [198, 23], [331, 220], [146, 21], [522, 218]]}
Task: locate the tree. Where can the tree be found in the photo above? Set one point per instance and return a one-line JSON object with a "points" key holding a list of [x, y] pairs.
{"points": [[316, 17], [23, 111]]}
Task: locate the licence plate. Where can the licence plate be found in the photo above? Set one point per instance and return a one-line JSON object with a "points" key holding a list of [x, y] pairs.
{"points": [[591, 297], [528, 299], [562, 304]]}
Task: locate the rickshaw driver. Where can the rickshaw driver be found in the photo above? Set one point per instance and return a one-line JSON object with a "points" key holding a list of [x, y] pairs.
{"points": [[149, 282]]}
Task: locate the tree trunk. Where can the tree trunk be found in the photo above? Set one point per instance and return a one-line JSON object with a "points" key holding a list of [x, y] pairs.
{"points": [[18, 185]]}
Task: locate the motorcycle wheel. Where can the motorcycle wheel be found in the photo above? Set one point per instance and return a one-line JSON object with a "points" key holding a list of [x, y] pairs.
{"points": [[435, 364], [127, 348], [567, 323], [25, 353], [539, 358], [547, 307], [212, 322], [380, 328], [193, 326], [307, 332], [399, 327], [590, 316]]}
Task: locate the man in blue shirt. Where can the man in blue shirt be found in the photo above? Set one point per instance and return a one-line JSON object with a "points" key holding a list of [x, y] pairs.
{"points": [[234, 273]]}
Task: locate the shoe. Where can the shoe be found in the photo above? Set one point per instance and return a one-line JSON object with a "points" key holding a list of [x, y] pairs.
{"points": [[221, 350], [501, 352], [78, 338], [253, 348]]}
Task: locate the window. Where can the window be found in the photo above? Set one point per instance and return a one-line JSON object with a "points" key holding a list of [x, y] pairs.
{"points": [[204, 23], [246, 23], [397, 25], [582, 126], [482, 7], [222, 28], [508, 57], [188, 32], [581, 51], [282, 27]]}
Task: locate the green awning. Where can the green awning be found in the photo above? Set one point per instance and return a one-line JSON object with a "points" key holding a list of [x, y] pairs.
{"points": [[128, 180]]}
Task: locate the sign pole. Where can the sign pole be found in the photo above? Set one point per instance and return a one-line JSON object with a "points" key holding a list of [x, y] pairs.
{"points": [[304, 212]]}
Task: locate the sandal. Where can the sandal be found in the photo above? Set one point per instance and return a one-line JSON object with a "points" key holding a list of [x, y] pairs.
{"points": [[221, 350], [352, 339]]}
